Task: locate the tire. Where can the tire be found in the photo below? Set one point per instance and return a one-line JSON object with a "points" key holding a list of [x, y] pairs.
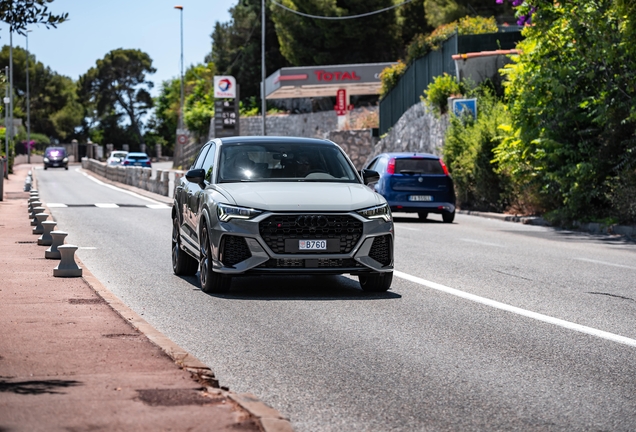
{"points": [[422, 215], [211, 282], [45, 167], [448, 217], [182, 263], [66, 168], [376, 282]]}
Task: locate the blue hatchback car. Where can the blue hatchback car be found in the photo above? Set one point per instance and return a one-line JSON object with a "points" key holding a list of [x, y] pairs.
{"points": [[415, 183]]}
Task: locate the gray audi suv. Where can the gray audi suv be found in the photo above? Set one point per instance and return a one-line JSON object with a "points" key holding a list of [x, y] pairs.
{"points": [[279, 205]]}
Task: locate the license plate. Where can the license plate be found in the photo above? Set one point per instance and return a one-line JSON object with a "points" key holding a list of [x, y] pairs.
{"points": [[420, 198], [312, 244]]}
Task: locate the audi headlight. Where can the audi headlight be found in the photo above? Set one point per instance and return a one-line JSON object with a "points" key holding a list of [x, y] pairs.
{"points": [[46, 160], [227, 212], [378, 212], [65, 160]]}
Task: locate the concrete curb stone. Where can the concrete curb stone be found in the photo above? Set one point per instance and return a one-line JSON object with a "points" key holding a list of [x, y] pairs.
{"points": [[626, 231]]}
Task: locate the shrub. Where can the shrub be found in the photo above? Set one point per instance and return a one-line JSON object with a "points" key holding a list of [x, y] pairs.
{"points": [[390, 76], [437, 94], [468, 152]]}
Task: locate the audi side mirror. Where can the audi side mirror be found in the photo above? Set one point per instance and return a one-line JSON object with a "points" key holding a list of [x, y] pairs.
{"points": [[370, 176], [196, 176]]}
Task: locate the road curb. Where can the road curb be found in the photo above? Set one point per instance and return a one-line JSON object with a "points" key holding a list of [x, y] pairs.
{"points": [[269, 419]]}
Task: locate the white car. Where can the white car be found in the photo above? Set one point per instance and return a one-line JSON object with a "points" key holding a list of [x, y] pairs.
{"points": [[116, 157], [279, 205]]}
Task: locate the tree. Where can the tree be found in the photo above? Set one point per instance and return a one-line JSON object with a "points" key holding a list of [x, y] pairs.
{"points": [[55, 110], [440, 12], [310, 41], [236, 48], [117, 88], [20, 13], [572, 99]]}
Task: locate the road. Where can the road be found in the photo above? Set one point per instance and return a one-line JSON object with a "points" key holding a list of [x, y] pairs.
{"points": [[489, 325]]}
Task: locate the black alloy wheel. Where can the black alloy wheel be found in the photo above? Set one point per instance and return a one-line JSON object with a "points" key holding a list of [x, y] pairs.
{"points": [[376, 282], [422, 215], [182, 263], [211, 282]]}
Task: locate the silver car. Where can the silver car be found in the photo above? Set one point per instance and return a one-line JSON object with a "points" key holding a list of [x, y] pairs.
{"points": [[279, 205]]}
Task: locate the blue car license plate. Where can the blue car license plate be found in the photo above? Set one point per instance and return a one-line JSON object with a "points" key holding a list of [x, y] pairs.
{"points": [[420, 198]]}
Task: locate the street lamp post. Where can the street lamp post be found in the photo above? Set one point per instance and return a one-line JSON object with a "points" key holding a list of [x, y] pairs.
{"points": [[263, 103], [180, 120], [10, 125], [6, 129], [28, 100]]}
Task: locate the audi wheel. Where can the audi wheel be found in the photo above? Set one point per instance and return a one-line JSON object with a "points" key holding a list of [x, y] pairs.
{"points": [[211, 282]]}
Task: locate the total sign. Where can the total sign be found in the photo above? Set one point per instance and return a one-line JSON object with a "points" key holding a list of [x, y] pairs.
{"points": [[224, 86]]}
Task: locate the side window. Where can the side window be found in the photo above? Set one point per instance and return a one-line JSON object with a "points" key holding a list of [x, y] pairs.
{"points": [[208, 163], [373, 164], [200, 158]]}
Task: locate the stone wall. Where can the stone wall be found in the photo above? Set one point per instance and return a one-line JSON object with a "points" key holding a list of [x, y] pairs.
{"points": [[418, 130], [133, 176], [357, 144]]}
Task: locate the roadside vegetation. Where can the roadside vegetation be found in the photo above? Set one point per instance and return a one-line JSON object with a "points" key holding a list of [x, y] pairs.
{"points": [[561, 140]]}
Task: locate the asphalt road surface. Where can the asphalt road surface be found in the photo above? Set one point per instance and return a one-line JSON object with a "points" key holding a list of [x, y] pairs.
{"points": [[489, 325]]}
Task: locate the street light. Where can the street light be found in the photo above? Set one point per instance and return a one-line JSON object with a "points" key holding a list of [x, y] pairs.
{"points": [[180, 120], [263, 103], [28, 101]]}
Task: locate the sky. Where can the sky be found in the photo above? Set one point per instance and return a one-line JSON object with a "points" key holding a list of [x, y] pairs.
{"points": [[95, 27]]}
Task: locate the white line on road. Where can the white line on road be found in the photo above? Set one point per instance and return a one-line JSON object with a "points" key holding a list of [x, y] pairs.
{"points": [[526, 313], [56, 205], [136, 195], [158, 206], [482, 242], [106, 205], [406, 228], [87, 248], [605, 263]]}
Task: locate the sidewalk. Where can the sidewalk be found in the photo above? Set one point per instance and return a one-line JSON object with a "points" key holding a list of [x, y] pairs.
{"points": [[73, 357]]}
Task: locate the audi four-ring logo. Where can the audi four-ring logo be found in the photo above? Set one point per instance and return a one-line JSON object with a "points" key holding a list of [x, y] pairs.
{"points": [[312, 221]]}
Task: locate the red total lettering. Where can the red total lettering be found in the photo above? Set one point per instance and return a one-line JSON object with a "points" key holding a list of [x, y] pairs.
{"points": [[355, 77], [319, 74]]}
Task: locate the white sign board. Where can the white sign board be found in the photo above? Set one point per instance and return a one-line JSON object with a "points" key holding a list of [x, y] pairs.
{"points": [[224, 87]]}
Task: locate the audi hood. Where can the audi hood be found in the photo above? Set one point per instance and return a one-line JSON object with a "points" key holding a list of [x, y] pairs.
{"points": [[301, 196]]}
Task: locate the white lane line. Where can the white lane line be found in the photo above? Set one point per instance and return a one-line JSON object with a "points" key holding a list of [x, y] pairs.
{"points": [[157, 206], [526, 313], [87, 248], [56, 205], [482, 242], [106, 205], [406, 228], [136, 195], [605, 263]]}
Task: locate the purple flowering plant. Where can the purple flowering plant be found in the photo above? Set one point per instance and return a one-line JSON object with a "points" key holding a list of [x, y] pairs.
{"points": [[525, 10]]}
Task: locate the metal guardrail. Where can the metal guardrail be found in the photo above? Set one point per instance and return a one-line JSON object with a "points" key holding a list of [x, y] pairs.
{"points": [[423, 71]]}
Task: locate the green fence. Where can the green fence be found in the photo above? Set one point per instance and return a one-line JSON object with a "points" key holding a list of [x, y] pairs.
{"points": [[422, 71]]}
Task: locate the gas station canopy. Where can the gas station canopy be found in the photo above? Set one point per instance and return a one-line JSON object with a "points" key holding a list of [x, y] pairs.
{"points": [[319, 81]]}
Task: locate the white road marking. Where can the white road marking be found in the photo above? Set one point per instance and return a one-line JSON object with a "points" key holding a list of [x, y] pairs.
{"points": [[157, 206], [136, 195], [482, 242], [605, 263], [406, 228], [106, 205], [87, 248], [56, 205], [526, 313]]}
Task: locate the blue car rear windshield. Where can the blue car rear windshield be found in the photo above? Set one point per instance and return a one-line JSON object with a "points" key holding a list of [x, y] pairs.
{"points": [[284, 162], [418, 166], [137, 157]]}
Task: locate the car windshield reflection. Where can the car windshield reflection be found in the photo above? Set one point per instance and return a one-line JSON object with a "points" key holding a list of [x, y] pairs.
{"points": [[284, 162]]}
